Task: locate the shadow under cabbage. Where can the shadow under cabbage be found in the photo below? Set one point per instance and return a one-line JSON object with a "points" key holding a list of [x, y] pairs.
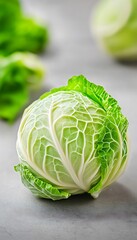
{"points": [[115, 202]]}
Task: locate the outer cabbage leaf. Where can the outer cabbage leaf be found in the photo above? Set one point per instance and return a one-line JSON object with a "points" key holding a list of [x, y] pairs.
{"points": [[38, 186], [74, 137]]}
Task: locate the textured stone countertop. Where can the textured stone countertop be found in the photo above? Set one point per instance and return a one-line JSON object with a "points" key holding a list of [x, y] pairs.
{"points": [[113, 215]]}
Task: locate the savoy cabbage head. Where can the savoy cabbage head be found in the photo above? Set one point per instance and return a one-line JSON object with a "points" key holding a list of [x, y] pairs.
{"points": [[72, 140]]}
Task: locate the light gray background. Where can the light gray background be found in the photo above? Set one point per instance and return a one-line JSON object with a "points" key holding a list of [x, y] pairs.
{"points": [[113, 215]]}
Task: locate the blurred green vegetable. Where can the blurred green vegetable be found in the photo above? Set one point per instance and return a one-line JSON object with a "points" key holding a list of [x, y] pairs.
{"points": [[19, 73], [18, 32], [10, 11], [115, 26]]}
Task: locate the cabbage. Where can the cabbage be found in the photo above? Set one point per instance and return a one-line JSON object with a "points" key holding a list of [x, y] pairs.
{"points": [[72, 140], [115, 27]]}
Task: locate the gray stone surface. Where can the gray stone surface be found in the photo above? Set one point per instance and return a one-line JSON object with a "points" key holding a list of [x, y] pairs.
{"points": [[114, 214]]}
